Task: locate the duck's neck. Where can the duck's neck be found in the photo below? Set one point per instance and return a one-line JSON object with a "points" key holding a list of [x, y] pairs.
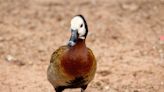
{"points": [[80, 45]]}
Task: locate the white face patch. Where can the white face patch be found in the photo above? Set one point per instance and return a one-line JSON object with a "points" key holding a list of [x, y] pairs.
{"points": [[77, 23]]}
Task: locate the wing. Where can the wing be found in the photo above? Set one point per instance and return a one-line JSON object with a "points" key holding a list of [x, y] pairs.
{"points": [[55, 55], [54, 74], [91, 54], [94, 65]]}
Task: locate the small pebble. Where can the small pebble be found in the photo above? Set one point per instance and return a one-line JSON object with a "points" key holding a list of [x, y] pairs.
{"points": [[131, 7], [106, 87], [9, 58]]}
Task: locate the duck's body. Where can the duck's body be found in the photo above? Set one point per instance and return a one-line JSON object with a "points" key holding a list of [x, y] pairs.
{"points": [[72, 66]]}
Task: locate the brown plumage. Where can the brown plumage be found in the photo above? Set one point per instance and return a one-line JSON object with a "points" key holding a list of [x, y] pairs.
{"points": [[73, 65]]}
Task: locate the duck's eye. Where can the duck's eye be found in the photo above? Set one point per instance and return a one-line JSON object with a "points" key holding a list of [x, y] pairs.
{"points": [[81, 25]]}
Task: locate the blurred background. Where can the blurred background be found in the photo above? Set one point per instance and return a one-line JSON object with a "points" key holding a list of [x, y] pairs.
{"points": [[123, 34]]}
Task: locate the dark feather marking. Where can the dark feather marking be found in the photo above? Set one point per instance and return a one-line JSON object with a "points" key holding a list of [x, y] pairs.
{"points": [[78, 81]]}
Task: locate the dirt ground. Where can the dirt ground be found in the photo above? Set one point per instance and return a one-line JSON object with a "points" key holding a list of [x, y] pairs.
{"points": [[123, 34]]}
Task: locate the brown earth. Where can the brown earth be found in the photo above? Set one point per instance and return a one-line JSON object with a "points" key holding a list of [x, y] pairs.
{"points": [[123, 34]]}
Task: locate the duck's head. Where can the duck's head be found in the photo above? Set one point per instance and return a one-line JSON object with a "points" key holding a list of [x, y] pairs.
{"points": [[79, 30]]}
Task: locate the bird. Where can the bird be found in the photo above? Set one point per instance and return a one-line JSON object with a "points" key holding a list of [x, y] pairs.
{"points": [[73, 65]]}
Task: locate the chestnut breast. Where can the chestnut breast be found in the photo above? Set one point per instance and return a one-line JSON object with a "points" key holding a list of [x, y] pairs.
{"points": [[77, 62]]}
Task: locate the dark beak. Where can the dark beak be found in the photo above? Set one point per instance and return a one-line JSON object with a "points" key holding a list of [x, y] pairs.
{"points": [[74, 37]]}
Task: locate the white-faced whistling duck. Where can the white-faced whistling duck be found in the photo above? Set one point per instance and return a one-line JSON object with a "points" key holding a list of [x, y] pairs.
{"points": [[73, 65]]}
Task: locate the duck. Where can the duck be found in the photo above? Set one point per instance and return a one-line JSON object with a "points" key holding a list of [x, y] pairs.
{"points": [[73, 65]]}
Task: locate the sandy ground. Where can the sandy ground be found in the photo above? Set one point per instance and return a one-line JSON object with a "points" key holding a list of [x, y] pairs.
{"points": [[123, 34]]}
